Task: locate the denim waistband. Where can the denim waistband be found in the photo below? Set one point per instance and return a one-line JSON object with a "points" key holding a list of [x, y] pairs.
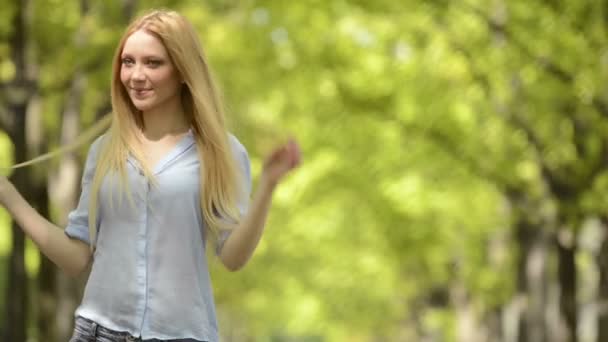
{"points": [[91, 328]]}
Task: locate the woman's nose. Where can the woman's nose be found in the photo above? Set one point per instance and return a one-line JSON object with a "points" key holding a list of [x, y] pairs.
{"points": [[138, 73]]}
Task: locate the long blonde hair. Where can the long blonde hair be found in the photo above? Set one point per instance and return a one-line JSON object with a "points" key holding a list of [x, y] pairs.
{"points": [[219, 183]]}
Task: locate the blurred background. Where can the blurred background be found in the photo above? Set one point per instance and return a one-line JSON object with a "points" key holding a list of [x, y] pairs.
{"points": [[454, 184]]}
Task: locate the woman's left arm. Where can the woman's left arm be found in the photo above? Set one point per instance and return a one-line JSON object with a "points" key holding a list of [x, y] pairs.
{"points": [[241, 243]]}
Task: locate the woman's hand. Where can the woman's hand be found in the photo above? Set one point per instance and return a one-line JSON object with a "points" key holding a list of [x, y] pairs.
{"points": [[282, 160]]}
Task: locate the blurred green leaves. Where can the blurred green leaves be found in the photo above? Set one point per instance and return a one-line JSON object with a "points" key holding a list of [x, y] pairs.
{"points": [[418, 121]]}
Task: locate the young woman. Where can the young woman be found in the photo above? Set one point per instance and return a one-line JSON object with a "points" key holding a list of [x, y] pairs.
{"points": [[162, 182]]}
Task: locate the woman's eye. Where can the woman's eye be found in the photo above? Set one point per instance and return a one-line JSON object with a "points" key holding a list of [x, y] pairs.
{"points": [[127, 61], [154, 63]]}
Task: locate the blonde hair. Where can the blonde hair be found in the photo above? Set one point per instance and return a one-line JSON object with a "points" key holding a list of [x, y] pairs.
{"points": [[219, 184], [92, 132]]}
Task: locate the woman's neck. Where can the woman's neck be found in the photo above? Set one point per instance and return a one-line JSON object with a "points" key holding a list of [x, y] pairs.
{"points": [[169, 121]]}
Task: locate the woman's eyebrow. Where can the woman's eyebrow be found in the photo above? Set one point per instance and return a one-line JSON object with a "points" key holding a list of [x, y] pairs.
{"points": [[126, 54]]}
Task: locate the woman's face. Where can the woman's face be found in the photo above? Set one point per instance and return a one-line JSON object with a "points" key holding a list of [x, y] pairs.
{"points": [[148, 74]]}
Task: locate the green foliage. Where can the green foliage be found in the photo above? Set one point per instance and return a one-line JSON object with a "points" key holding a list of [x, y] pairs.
{"points": [[417, 122]]}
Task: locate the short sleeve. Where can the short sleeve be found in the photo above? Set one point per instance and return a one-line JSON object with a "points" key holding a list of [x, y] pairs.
{"points": [[244, 168], [78, 219]]}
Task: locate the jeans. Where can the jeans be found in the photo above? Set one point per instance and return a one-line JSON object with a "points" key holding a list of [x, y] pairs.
{"points": [[86, 330]]}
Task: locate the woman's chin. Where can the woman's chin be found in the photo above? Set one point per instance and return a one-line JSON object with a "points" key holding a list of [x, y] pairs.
{"points": [[141, 105]]}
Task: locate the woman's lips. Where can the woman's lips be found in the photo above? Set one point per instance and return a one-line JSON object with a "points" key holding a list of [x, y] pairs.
{"points": [[140, 92]]}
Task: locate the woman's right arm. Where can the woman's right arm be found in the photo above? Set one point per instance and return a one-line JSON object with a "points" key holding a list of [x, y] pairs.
{"points": [[71, 255]]}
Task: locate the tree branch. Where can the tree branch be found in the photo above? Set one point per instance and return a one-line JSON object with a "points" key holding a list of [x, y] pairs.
{"points": [[443, 142], [547, 64], [559, 185]]}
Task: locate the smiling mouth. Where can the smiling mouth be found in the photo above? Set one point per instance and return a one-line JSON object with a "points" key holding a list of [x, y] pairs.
{"points": [[140, 92]]}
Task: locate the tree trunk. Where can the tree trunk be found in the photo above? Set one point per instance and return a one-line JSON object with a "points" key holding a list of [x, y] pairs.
{"points": [[602, 262], [566, 252], [46, 280], [531, 298], [18, 93], [17, 294], [128, 9], [467, 327]]}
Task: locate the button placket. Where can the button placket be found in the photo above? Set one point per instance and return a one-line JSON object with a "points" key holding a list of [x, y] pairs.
{"points": [[141, 253]]}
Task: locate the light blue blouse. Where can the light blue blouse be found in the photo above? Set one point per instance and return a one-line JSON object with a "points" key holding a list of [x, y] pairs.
{"points": [[150, 275]]}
